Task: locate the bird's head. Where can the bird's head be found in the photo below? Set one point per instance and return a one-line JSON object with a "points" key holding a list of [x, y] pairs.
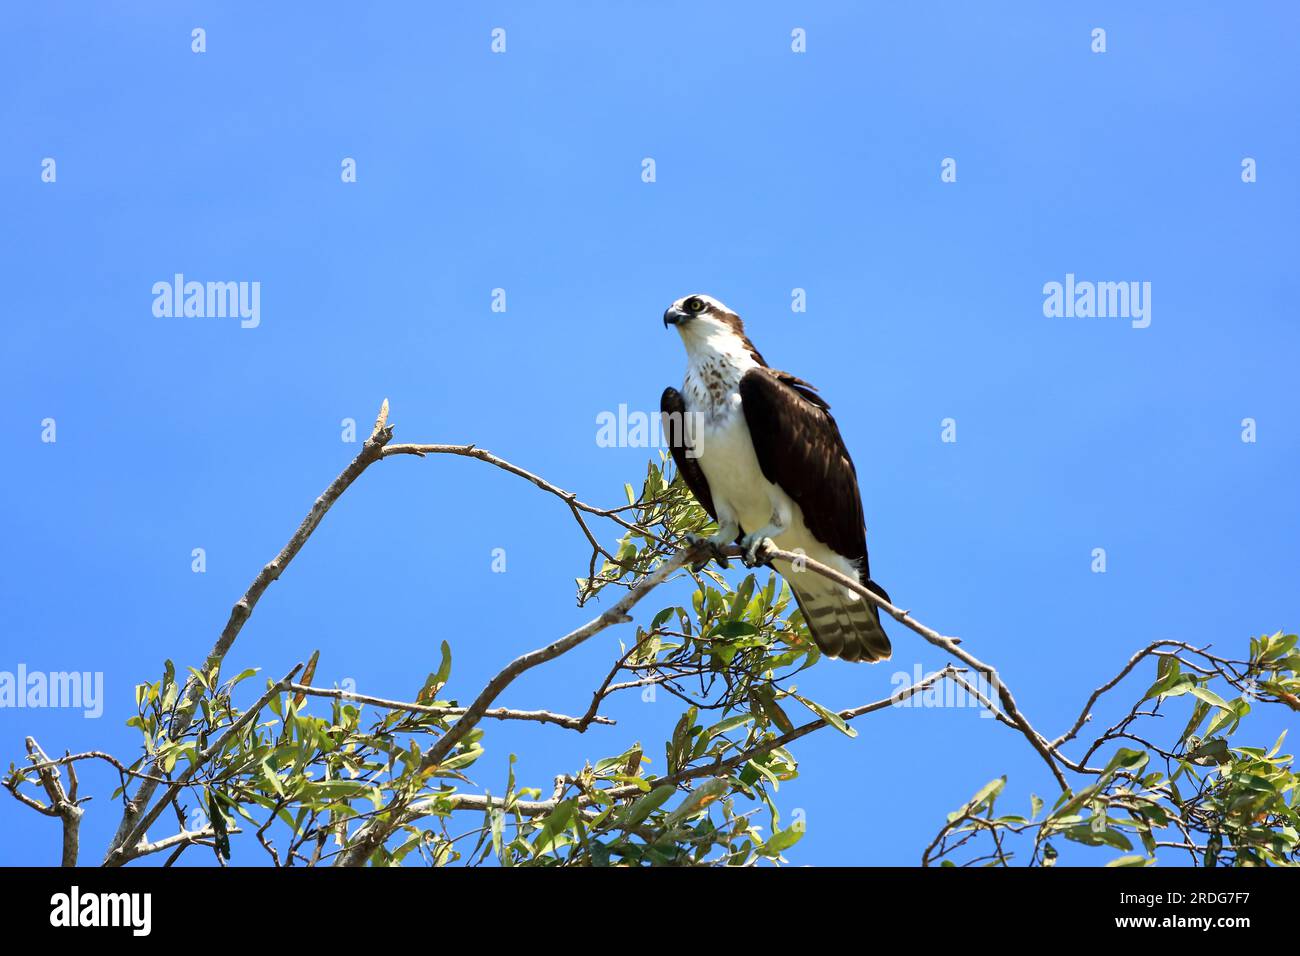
{"points": [[700, 318], [710, 330]]}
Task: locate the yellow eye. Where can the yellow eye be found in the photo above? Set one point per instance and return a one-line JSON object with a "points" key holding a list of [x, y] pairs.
{"points": [[694, 305]]}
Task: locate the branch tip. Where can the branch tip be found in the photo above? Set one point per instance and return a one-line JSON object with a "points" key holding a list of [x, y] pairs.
{"points": [[381, 420]]}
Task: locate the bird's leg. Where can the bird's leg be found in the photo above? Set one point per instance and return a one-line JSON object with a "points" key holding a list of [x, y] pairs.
{"points": [[777, 524], [757, 540], [726, 533]]}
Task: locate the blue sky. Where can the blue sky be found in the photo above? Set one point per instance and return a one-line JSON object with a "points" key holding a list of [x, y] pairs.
{"points": [[522, 171]]}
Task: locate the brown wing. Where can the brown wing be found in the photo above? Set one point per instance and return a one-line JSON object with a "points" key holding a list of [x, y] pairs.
{"points": [[799, 448], [672, 408]]}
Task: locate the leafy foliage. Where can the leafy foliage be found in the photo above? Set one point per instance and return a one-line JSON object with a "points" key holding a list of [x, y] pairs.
{"points": [[308, 769], [1205, 797]]}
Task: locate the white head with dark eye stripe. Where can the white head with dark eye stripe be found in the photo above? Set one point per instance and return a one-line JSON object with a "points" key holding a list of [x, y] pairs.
{"points": [[701, 315], [701, 318], [708, 326]]}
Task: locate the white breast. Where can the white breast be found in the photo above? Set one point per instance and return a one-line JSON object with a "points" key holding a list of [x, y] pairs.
{"points": [[728, 460], [726, 455]]}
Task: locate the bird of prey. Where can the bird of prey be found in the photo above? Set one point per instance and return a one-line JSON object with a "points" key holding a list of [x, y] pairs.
{"points": [[765, 459]]}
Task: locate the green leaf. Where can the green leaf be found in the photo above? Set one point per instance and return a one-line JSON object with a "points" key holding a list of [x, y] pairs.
{"points": [[782, 840], [461, 760], [1209, 696], [220, 834], [1211, 751], [1277, 746], [731, 723], [765, 697], [740, 599], [644, 806], [987, 792], [438, 679], [832, 718], [272, 777], [1128, 759], [730, 630], [334, 789], [679, 746], [762, 770], [1198, 715], [1168, 672], [554, 826], [699, 799], [1084, 833], [498, 827]]}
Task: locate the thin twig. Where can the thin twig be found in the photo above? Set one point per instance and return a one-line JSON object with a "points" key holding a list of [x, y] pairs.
{"points": [[472, 451], [496, 713]]}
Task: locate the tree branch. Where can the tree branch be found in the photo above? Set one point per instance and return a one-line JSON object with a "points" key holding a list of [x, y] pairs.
{"points": [[370, 453], [1086, 714], [63, 803], [713, 769], [471, 451], [373, 834], [180, 840], [138, 815], [497, 713], [128, 849], [951, 645]]}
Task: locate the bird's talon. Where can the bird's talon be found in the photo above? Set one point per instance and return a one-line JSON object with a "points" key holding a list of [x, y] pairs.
{"points": [[715, 551], [753, 556], [693, 541]]}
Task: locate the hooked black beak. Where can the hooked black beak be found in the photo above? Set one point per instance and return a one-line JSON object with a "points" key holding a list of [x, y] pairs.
{"points": [[674, 316]]}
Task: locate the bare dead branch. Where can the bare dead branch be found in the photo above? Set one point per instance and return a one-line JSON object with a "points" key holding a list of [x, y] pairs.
{"points": [[603, 691], [180, 840], [496, 713], [471, 451], [72, 758], [370, 453], [62, 804]]}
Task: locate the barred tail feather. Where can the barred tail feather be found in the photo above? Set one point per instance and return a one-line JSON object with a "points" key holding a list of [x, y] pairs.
{"points": [[843, 624]]}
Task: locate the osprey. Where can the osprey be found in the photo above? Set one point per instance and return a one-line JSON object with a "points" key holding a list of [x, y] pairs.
{"points": [[765, 459]]}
